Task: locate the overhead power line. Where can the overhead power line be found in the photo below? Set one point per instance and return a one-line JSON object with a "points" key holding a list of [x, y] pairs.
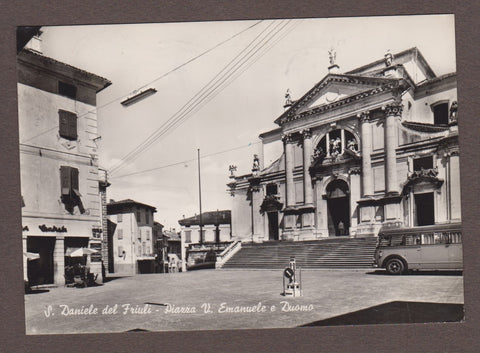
{"points": [[218, 83], [185, 161], [155, 79]]}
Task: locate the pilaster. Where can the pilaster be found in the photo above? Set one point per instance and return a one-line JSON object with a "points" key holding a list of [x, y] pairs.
{"points": [[59, 261]]}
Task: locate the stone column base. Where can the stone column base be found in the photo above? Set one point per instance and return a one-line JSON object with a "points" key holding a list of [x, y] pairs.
{"points": [[289, 221], [308, 220]]}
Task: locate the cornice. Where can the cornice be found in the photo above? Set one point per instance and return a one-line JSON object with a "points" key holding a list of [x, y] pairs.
{"points": [[291, 115]]}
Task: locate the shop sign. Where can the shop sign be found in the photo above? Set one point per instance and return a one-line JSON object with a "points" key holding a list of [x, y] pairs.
{"points": [[56, 229], [96, 257]]}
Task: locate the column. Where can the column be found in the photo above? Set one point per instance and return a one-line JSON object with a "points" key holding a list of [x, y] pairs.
{"points": [[289, 217], [342, 137], [289, 185], [307, 157], [25, 260], [308, 217], [454, 183], [392, 111], [59, 261], [327, 143], [366, 145]]}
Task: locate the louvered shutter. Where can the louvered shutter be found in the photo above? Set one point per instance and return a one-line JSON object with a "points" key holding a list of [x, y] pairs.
{"points": [[75, 189], [63, 124], [65, 180], [72, 126]]}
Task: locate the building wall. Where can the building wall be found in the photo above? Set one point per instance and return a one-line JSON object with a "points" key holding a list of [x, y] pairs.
{"points": [[417, 109], [137, 240], [42, 153]]}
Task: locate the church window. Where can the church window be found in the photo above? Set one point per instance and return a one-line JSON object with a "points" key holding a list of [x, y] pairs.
{"points": [[272, 189], [440, 113], [423, 163], [335, 143]]}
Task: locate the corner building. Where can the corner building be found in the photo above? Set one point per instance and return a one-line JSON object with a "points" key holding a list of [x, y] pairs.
{"points": [[376, 146], [131, 238], [60, 177]]}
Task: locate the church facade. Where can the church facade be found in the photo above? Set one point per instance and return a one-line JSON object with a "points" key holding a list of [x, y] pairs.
{"points": [[376, 146]]}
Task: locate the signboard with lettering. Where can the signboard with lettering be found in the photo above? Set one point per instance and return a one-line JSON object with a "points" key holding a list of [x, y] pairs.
{"points": [[96, 257]]}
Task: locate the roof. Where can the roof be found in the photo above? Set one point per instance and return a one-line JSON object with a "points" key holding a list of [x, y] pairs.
{"points": [[24, 34], [366, 74], [127, 203], [399, 58], [33, 58], [380, 84], [212, 217], [171, 235]]}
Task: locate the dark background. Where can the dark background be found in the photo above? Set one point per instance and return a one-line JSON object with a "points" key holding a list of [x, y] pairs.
{"points": [[441, 337]]}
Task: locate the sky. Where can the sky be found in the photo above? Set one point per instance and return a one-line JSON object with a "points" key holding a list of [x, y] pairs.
{"points": [[179, 59]]}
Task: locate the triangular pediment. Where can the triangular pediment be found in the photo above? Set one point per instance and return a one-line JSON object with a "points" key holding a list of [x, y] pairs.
{"points": [[337, 87], [334, 88]]}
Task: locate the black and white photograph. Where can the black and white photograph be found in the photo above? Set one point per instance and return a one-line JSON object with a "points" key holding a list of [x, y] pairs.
{"points": [[249, 174]]}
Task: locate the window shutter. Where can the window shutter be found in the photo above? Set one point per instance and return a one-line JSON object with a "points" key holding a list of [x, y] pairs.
{"points": [[67, 124], [74, 178], [63, 123], [72, 126], [65, 180]]}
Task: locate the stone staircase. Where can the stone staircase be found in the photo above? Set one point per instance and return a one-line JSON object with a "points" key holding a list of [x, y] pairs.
{"points": [[339, 253]]}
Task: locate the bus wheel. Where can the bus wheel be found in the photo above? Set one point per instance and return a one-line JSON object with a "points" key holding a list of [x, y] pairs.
{"points": [[395, 266]]}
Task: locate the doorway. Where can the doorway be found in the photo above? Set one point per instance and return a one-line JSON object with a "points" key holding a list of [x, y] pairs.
{"points": [[338, 206], [272, 225], [424, 209], [40, 271]]}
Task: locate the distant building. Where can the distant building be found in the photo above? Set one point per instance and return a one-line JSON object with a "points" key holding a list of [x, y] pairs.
{"points": [[59, 164], [211, 231], [131, 237], [173, 242], [376, 146]]}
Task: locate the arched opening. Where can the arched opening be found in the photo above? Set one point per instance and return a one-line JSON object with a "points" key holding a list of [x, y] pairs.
{"points": [[336, 142], [338, 207]]}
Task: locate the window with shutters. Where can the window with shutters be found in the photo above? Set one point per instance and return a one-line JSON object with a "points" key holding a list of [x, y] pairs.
{"points": [[67, 124], [70, 193], [188, 236]]}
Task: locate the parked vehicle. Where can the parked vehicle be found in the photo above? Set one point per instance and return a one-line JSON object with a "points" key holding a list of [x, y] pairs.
{"points": [[436, 247]]}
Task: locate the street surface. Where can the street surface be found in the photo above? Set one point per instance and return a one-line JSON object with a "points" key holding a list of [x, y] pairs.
{"points": [[227, 299]]}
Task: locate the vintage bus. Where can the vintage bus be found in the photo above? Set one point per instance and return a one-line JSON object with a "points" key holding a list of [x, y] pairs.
{"points": [[436, 247]]}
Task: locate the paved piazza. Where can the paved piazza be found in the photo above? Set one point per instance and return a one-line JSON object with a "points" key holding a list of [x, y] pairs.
{"points": [[227, 299]]}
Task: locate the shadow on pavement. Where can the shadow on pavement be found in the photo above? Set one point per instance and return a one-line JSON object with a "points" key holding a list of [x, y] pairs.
{"points": [[397, 312], [36, 291], [138, 330], [420, 273], [111, 278]]}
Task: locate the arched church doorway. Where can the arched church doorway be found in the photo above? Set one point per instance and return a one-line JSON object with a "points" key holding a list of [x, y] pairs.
{"points": [[338, 207]]}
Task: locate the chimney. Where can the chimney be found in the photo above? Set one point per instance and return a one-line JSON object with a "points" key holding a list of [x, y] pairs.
{"points": [[35, 44]]}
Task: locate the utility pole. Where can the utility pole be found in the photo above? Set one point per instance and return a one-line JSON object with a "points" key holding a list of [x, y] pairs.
{"points": [[200, 197]]}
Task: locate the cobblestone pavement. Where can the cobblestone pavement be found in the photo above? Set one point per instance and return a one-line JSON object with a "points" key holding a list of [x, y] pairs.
{"points": [[226, 299]]}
